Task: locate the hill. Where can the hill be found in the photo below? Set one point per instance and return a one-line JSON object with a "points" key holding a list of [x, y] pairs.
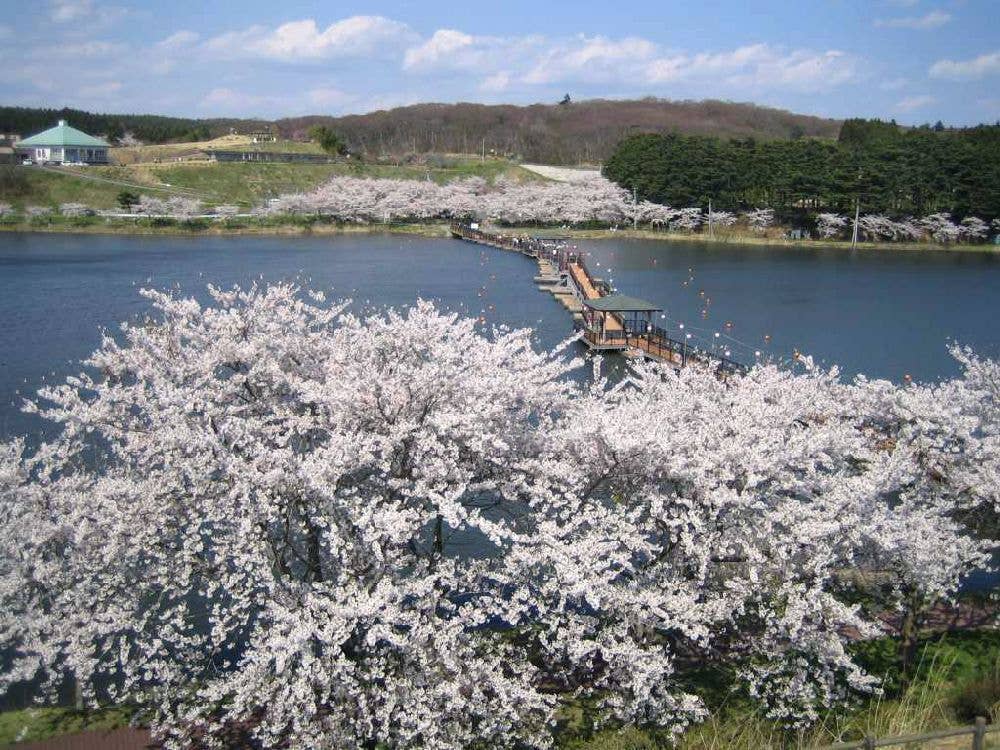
{"points": [[574, 133]]}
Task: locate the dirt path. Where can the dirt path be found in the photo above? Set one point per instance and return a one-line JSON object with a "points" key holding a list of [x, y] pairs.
{"points": [[563, 174]]}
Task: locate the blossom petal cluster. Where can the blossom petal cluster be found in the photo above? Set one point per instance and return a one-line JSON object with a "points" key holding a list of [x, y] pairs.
{"points": [[271, 519]]}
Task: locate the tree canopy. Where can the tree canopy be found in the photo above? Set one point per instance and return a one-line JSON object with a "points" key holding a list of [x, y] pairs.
{"points": [[328, 139], [891, 170], [269, 519]]}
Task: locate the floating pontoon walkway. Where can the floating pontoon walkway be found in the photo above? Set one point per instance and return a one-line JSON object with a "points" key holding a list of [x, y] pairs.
{"points": [[609, 321]]}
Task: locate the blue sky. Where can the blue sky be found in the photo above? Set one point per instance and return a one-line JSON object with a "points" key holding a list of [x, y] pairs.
{"points": [[912, 60]]}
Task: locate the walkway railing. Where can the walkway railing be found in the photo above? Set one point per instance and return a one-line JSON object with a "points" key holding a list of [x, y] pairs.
{"points": [[554, 251], [654, 341], [977, 731]]}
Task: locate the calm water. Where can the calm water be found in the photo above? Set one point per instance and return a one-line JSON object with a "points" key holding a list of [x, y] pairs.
{"points": [[883, 313]]}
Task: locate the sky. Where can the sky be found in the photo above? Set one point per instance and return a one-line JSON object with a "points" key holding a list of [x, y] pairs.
{"points": [[914, 61]]}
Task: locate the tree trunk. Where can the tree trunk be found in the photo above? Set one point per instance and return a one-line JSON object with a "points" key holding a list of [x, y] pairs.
{"points": [[908, 633]]}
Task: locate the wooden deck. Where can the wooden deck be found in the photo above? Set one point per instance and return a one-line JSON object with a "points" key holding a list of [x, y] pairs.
{"points": [[557, 259], [585, 285]]}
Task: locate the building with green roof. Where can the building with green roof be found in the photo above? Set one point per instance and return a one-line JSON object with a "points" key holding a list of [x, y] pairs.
{"points": [[66, 145]]}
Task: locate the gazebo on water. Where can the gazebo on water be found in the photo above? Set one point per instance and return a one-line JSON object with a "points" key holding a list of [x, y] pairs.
{"points": [[609, 322]]}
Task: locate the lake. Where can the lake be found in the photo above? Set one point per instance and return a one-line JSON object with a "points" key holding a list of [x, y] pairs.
{"points": [[885, 313]]}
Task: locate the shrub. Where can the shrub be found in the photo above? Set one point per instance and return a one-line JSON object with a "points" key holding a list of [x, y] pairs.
{"points": [[979, 697], [12, 181]]}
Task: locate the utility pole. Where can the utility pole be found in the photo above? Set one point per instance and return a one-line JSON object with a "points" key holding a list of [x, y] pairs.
{"points": [[857, 215], [711, 229]]}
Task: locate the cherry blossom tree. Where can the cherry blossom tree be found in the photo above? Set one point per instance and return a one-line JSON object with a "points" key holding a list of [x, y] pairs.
{"points": [[369, 200], [272, 530], [760, 219], [974, 229], [657, 215], [185, 208], [150, 206], [75, 210], [880, 227], [723, 218], [226, 210], [305, 528], [941, 228], [6, 211], [830, 225], [736, 506], [686, 219]]}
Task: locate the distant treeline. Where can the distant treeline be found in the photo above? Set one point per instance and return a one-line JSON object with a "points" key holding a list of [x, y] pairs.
{"points": [[889, 169], [146, 128], [584, 132]]}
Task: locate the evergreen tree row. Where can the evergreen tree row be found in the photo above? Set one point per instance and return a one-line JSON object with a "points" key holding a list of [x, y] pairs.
{"points": [[27, 121], [889, 169]]}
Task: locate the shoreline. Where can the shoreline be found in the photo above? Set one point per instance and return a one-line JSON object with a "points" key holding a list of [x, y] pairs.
{"points": [[441, 230]]}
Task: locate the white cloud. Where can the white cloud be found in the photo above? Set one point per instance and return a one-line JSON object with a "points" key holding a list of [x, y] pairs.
{"points": [[893, 84], [757, 66], [357, 36], [496, 83], [95, 48], [450, 49], [101, 90], [328, 97], [931, 20], [442, 45], [224, 100], [64, 11], [172, 51], [590, 59], [178, 40], [977, 67], [504, 62], [911, 103]]}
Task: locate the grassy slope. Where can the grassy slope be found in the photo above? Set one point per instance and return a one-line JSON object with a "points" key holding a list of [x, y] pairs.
{"points": [[241, 183], [166, 152], [33, 724], [51, 189], [958, 678]]}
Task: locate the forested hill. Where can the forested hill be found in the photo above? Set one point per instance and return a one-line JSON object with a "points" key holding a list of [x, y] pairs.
{"points": [[570, 133], [26, 121], [891, 170]]}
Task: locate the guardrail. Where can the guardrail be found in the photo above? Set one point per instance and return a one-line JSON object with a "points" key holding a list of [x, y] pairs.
{"points": [[977, 732], [555, 251], [652, 339]]}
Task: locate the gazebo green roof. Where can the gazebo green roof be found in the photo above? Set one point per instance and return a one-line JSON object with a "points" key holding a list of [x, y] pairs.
{"points": [[621, 303], [63, 135]]}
